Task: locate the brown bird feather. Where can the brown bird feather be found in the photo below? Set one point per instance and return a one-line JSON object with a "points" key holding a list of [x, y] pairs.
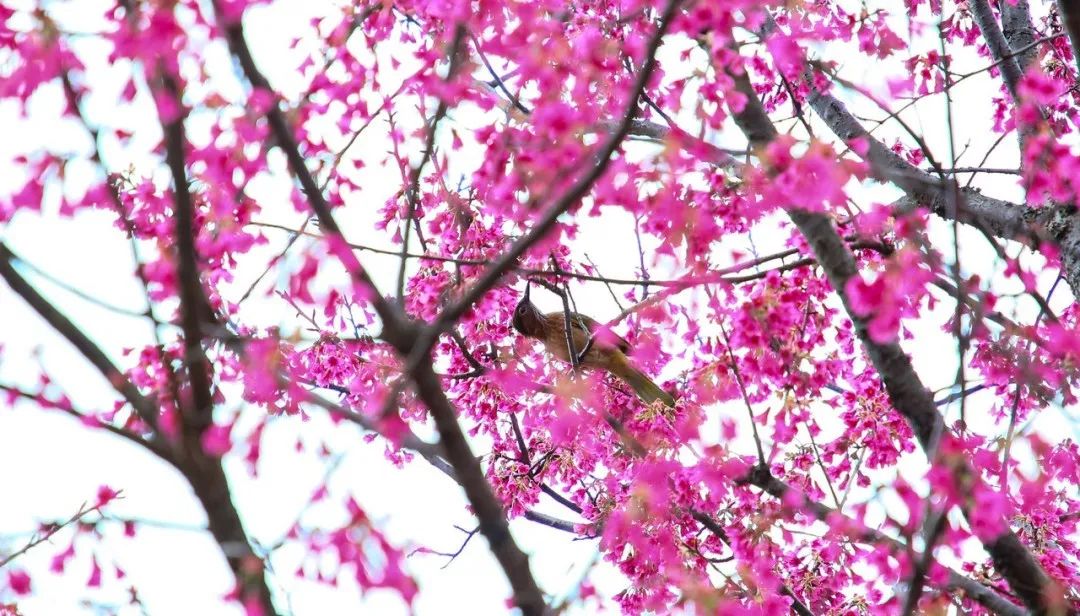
{"points": [[609, 355]]}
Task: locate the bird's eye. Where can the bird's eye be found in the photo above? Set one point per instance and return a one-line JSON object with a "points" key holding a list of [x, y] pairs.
{"points": [[521, 309]]}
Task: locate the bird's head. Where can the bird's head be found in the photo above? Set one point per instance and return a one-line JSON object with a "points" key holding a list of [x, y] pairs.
{"points": [[527, 319]]}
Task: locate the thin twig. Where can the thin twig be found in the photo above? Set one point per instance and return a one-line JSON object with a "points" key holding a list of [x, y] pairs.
{"points": [[38, 540], [746, 398], [154, 446]]}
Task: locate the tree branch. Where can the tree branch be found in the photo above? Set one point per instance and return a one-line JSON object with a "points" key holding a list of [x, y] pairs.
{"points": [[37, 539], [553, 522], [488, 510], [905, 389], [202, 470], [1018, 30], [1003, 55], [154, 446], [575, 193], [477, 485], [205, 474], [797, 606], [431, 453], [207, 478], [395, 325], [999, 47], [146, 409], [1070, 14], [194, 306], [493, 525], [714, 276], [1001, 218], [760, 477], [411, 191], [935, 526]]}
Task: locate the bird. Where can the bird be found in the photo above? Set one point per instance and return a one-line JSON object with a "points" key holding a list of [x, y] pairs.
{"points": [[608, 355]]}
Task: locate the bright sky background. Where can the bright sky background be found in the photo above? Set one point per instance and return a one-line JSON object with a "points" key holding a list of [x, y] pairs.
{"points": [[51, 464]]}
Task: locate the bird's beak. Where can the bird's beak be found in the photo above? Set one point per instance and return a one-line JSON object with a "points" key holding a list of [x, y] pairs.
{"points": [[525, 298]]}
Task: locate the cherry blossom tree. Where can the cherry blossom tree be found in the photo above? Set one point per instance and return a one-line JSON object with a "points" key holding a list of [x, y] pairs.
{"points": [[844, 242]]}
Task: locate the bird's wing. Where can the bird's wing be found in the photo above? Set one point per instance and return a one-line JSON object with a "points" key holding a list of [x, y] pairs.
{"points": [[611, 337]]}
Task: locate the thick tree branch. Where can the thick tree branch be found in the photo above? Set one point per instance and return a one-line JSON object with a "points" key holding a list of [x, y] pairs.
{"points": [[194, 306], [885, 164], [1070, 14], [910, 397], [999, 47], [1004, 56], [210, 485], [204, 473], [203, 470], [1001, 218], [1018, 30], [489, 512], [903, 385]]}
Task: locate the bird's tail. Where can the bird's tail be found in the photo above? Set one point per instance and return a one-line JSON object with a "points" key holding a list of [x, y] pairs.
{"points": [[640, 382]]}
